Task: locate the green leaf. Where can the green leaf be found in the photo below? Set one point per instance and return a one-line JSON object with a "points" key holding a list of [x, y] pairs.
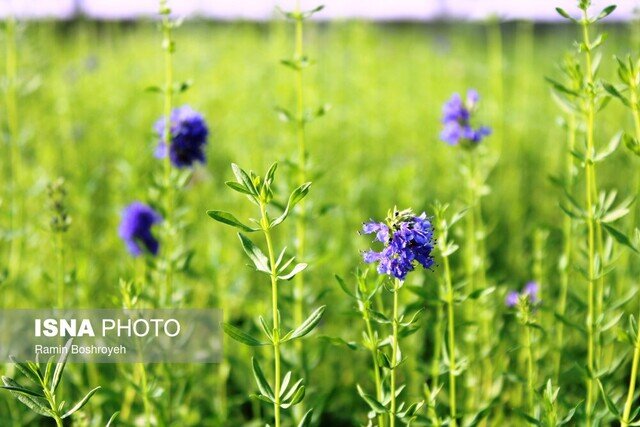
{"points": [[296, 269], [309, 324], [561, 88], [271, 173], [261, 380], [81, 403], [306, 420], [229, 219], [27, 371], [344, 286], [611, 90], [295, 399], [238, 187], [632, 144], [243, 178], [606, 12], [112, 419], [373, 403], [564, 14], [295, 198], [34, 402], [607, 400], [241, 336], [285, 115], [619, 236], [62, 362], [259, 259]]}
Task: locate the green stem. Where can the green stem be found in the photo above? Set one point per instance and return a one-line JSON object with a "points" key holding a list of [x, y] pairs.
{"points": [[452, 341], [530, 379], [376, 368], [437, 345], [497, 67], [167, 44], [470, 267], [274, 312], [16, 160], [567, 235], [60, 258], [591, 223], [632, 384], [298, 288], [394, 353], [145, 394]]}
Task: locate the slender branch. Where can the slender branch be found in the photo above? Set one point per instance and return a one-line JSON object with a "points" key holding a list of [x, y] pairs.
{"points": [[274, 312]]}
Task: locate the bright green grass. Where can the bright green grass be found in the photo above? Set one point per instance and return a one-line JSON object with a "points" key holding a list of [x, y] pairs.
{"points": [[89, 120]]}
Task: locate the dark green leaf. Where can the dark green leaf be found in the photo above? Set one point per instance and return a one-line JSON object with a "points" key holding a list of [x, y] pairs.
{"points": [[261, 380], [81, 403], [62, 363], [619, 237], [229, 219], [240, 335], [309, 324], [259, 259]]}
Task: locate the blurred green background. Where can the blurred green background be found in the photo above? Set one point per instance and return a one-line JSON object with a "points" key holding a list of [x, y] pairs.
{"points": [[84, 115]]}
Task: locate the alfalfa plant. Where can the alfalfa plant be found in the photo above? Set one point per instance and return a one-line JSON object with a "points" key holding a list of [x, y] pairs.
{"points": [[566, 182], [45, 400], [407, 242], [59, 225], [598, 211], [460, 130], [299, 118], [182, 137], [446, 248], [281, 392], [525, 303], [11, 87]]}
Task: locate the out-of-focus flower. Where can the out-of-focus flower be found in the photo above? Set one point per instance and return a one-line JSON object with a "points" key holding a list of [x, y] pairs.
{"points": [[456, 118], [189, 134], [530, 293], [135, 228]]}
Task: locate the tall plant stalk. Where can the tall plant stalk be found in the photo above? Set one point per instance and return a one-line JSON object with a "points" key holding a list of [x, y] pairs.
{"points": [[566, 259], [395, 349], [11, 105], [446, 248], [264, 222], [281, 393], [628, 406], [168, 47], [299, 288], [590, 191]]}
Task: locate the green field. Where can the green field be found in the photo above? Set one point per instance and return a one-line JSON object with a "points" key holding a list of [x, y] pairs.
{"points": [[84, 114]]}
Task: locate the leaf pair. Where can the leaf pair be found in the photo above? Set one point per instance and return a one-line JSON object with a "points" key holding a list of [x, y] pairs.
{"points": [[43, 402]]}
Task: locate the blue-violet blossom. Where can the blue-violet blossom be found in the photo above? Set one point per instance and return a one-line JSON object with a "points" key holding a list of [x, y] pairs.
{"points": [[456, 117], [188, 137], [135, 228], [407, 240]]}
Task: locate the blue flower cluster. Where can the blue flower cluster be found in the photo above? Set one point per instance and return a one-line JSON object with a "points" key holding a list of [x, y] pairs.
{"points": [[407, 239], [456, 117], [530, 291], [188, 137], [135, 228]]}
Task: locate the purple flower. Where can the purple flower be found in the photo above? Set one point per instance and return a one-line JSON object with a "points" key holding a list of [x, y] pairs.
{"points": [[407, 239], [531, 292], [456, 117], [512, 299], [188, 137], [135, 228]]}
